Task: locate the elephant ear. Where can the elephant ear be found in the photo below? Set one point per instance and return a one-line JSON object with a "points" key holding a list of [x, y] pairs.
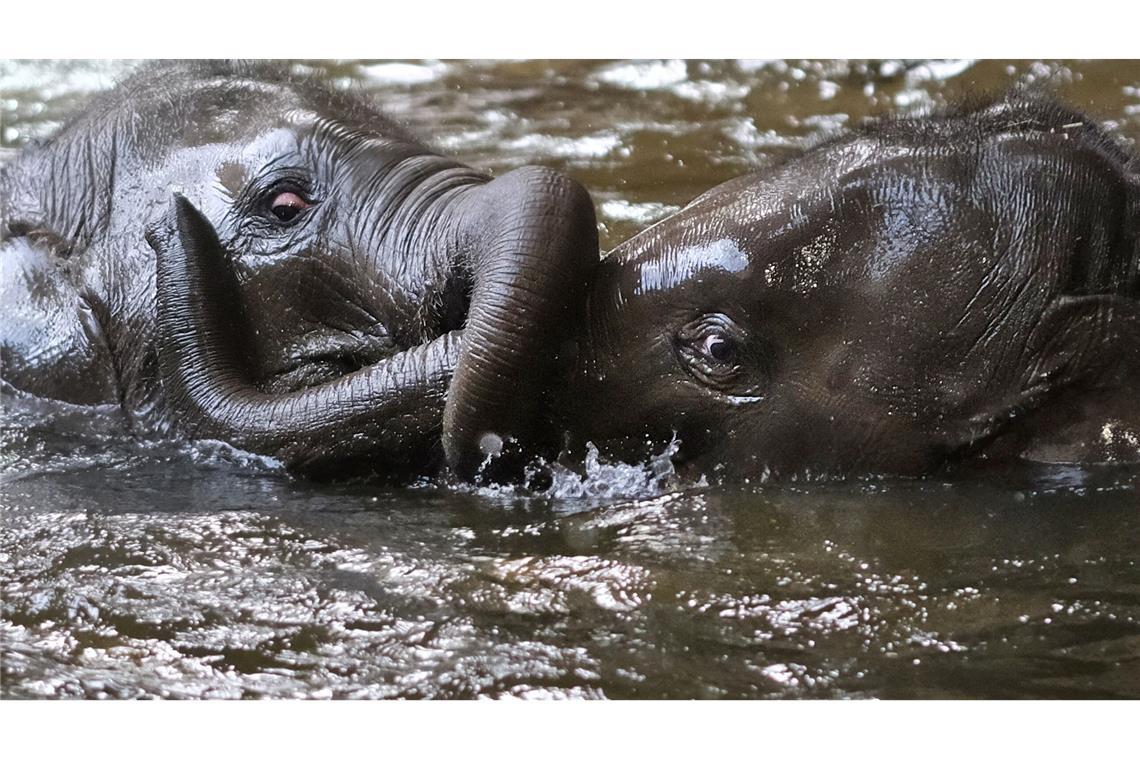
{"points": [[1089, 341], [1082, 338]]}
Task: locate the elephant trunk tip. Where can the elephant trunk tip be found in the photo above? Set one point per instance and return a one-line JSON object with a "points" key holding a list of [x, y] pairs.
{"points": [[537, 252]]}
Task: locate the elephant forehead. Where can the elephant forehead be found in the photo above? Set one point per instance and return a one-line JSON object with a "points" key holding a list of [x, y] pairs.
{"points": [[795, 247], [679, 265]]}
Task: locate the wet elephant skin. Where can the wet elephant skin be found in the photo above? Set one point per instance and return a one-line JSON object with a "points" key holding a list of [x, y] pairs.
{"points": [[904, 296], [230, 252]]}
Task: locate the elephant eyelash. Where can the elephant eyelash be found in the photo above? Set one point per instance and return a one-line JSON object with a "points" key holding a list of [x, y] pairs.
{"points": [[697, 343], [268, 198], [256, 204], [713, 373], [695, 346]]}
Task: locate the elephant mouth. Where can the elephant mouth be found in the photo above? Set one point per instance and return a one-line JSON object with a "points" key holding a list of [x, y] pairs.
{"points": [[326, 354], [302, 372], [321, 356]]}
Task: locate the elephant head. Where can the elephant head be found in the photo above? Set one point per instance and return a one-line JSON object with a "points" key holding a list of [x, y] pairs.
{"points": [[332, 293], [883, 303]]}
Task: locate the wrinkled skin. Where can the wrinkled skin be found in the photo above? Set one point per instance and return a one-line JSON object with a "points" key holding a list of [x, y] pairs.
{"points": [[916, 293], [223, 251]]}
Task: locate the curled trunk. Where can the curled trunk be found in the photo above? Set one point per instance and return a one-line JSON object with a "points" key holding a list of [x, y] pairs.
{"points": [[387, 413], [531, 266], [529, 242]]}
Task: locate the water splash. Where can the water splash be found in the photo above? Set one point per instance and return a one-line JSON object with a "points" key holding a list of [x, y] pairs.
{"points": [[596, 480], [617, 480]]}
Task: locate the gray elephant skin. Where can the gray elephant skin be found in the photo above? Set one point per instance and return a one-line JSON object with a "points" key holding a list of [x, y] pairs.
{"points": [[224, 251], [321, 287], [909, 295]]}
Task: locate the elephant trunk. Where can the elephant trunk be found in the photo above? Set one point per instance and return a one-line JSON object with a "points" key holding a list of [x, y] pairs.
{"points": [[529, 240], [386, 416], [537, 249]]}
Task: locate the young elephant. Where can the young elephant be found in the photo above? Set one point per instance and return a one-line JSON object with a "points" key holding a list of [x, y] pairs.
{"points": [[918, 291], [314, 279]]}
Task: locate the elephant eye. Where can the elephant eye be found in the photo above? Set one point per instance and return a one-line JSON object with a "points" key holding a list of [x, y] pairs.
{"points": [[714, 351], [287, 206], [720, 348]]}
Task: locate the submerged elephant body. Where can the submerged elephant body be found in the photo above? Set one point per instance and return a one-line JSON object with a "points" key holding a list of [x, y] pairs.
{"points": [[226, 251], [907, 295], [248, 257]]}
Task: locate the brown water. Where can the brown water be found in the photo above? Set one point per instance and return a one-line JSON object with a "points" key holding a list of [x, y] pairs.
{"points": [[147, 569]]}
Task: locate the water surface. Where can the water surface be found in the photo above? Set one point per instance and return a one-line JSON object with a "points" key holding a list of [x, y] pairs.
{"points": [[136, 569]]}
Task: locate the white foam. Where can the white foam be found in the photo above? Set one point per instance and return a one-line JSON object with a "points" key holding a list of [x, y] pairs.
{"points": [[938, 71], [644, 75], [642, 213], [404, 73], [704, 91], [604, 480], [597, 145]]}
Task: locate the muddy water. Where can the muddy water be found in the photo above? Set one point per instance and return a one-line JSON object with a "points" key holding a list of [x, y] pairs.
{"points": [[149, 569]]}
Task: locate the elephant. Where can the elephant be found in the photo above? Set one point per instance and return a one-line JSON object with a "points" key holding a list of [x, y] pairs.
{"points": [[911, 295], [228, 251]]}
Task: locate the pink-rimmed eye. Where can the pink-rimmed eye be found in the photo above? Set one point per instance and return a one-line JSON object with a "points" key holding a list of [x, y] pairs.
{"points": [[719, 347], [286, 206]]}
